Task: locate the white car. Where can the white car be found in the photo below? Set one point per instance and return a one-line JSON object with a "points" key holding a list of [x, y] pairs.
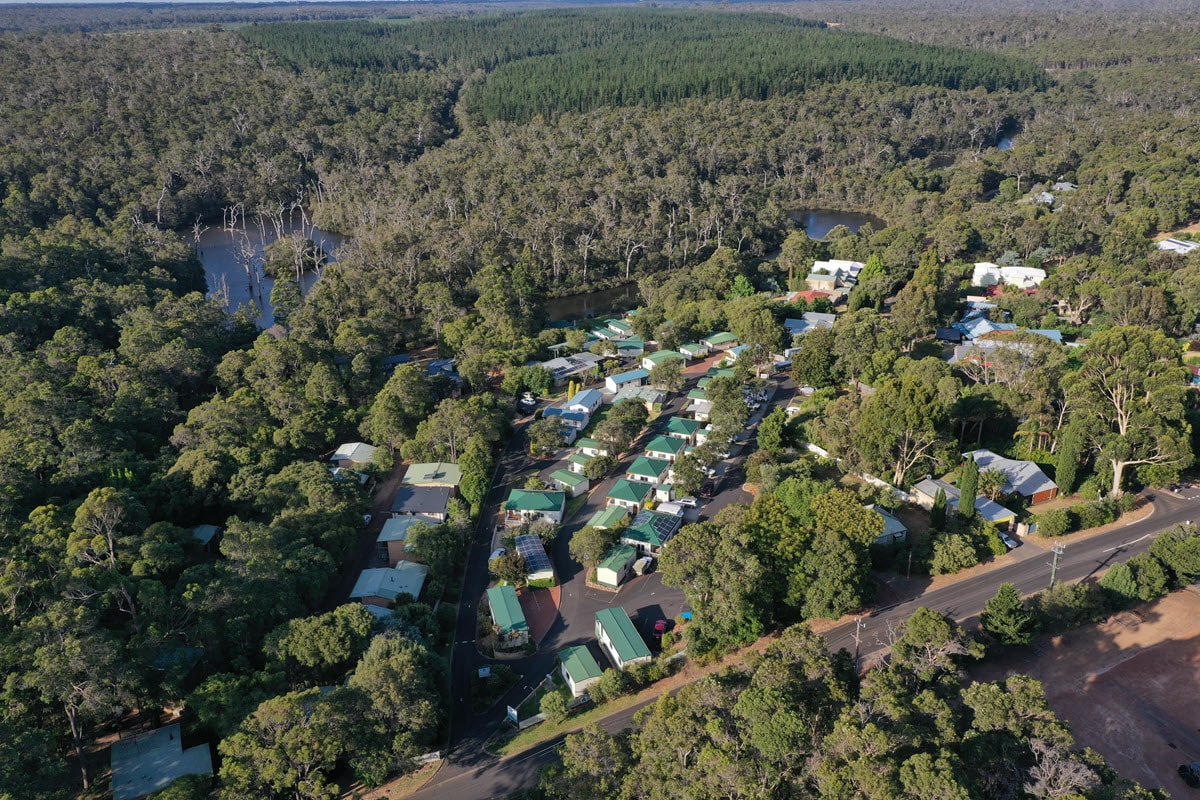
{"points": [[687, 502], [497, 553], [1009, 542]]}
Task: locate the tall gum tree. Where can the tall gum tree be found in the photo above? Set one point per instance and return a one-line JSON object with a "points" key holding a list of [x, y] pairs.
{"points": [[1129, 395]]}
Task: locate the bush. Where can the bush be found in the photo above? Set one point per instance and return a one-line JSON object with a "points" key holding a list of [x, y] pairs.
{"points": [[1127, 502], [951, 553], [1069, 605], [555, 705], [1090, 489], [1055, 522]]}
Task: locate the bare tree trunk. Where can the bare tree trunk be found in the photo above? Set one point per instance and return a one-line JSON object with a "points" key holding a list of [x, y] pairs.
{"points": [[77, 739]]}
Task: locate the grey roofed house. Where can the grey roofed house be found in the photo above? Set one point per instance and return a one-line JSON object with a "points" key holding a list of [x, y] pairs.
{"points": [[149, 762], [431, 500], [388, 583], [350, 453], [1023, 477], [810, 320], [566, 367], [925, 492]]}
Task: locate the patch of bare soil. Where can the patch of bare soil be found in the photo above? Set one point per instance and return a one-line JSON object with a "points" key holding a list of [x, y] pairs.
{"points": [[1127, 686]]}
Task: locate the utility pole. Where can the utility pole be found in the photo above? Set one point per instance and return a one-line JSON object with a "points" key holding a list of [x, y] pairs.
{"points": [[1058, 550], [858, 628]]}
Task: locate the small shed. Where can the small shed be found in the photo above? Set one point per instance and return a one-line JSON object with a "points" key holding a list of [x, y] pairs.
{"points": [[614, 566], [508, 620], [693, 350], [619, 639], [578, 461], [572, 483], [579, 669]]}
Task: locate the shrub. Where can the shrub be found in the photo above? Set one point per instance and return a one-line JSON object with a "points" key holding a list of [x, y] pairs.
{"points": [[1055, 522], [951, 553], [1069, 605], [1090, 489]]}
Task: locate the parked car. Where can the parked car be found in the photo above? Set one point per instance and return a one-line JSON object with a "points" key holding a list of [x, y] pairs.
{"points": [[660, 628], [687, 502], [1010, 542], [367, 519], [708, 489], [1190, 774], [643, 565], [499, 552]]}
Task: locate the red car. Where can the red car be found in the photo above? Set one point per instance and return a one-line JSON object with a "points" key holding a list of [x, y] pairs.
{"points": [[660, 628]]}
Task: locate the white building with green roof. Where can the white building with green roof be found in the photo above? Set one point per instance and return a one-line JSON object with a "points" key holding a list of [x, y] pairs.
{"points": [[629, 494], [614, 566], [590, 447], [652, 360], [648, 470], [578, 461], [609, 518], [619, 639], [721, 340], [683, 428], [531, 506], [666, 448], [571, 483], [649, 531], [579, 669], [693, 350], [436, 473], [508, 620]]}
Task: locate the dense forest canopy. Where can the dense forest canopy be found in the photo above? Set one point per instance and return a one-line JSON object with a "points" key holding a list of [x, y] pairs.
{"points": [[132, 407], [546, 63]]}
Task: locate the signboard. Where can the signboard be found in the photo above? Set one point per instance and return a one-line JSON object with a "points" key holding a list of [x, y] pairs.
{"points": [[485, 672], [512, 714]]}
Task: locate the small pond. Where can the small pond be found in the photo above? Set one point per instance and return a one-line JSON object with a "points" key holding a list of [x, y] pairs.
{"points": [[232, 257], [818, 222], [593, 304]]}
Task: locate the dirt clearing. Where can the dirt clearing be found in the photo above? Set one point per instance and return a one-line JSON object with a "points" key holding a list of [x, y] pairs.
{"points": [[1127, 686]]}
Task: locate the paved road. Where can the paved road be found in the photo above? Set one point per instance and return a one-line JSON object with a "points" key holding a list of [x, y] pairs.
{"points": [[477, 776]]}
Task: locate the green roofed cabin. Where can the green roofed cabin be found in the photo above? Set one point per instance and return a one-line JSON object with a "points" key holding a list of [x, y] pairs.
{"points": [[590, 447], [721, 340], [683, 428], [528, 506], [650, 530], [608, 518], [651, 360], [572, 483], [614, 566], [648, 470], [578, 461], [628, 494], [579, 669], [619, 639], [693, 350], [512, 631], [666, 448]]}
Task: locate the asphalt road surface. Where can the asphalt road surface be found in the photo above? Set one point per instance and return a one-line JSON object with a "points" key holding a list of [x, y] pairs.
{"points": [[472, 774]]}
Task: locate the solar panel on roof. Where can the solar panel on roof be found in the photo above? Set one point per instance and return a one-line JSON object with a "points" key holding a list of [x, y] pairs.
{"points": [[530, 547]]}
